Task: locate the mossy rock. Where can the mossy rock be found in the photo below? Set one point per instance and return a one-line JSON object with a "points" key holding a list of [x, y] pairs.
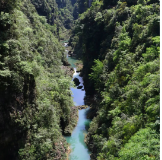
{"points": [[78, 70], [79, 66], [82, 107]]}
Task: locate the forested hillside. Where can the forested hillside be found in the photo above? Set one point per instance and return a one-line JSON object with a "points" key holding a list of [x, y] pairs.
{"points": [[58, 13], [80, 6], [119, 43], [35, 97]]}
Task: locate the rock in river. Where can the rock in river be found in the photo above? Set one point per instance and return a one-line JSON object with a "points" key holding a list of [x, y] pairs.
{"points": [[82, 107], [76, 81], [79, 87]]}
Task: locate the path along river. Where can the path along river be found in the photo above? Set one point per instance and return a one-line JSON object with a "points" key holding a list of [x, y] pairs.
{"points": [[79, 150]]}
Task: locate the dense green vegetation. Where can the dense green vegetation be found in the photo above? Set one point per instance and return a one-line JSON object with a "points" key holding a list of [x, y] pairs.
{"points": [[79, 7], [119, 44], [58, 13], [35, 96]]}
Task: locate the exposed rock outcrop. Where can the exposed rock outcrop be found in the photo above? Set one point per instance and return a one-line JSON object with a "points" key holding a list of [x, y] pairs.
{"points": [[13, 106], [82, 107], [69, 71]]}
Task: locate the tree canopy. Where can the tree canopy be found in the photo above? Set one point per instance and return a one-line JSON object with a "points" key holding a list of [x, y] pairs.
{"points": [[119, 42]]}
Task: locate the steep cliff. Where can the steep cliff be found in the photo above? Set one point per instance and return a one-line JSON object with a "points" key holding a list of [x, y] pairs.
{"points": [[119, 43], [35, 99]]}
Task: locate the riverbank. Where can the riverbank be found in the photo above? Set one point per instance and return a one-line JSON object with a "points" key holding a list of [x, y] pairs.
{"points": [[78, 148], [72, 122]]}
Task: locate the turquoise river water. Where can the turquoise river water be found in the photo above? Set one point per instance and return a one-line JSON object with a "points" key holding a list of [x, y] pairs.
{"points": [[79, 150]]}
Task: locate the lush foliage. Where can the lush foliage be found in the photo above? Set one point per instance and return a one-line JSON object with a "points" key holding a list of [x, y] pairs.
{"points": [[79, 7], [35, 96], [119, 42], [58, 14]]}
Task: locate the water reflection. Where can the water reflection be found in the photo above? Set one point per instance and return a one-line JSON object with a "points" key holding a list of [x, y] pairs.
{"points": [[77, 95], [76, 140], [81, 139]]}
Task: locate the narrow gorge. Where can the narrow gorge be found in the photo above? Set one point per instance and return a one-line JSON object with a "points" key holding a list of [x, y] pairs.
{"points": [[79, 150], [79, 79]]}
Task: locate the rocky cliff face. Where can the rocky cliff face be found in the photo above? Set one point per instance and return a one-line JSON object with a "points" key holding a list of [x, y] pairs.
{"points": [[13, 107]]}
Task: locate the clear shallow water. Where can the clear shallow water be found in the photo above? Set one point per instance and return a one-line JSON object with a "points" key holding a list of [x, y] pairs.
{"points": [[72, 61], [78, 94], [79, 150]]}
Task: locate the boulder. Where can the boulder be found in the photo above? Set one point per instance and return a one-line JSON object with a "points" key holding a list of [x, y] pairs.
{"points": [[79, 87], [70, 53], [76, 81], [82, 107]]}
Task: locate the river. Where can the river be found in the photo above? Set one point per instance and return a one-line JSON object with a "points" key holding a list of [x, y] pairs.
{"points": [[79, 150]]}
